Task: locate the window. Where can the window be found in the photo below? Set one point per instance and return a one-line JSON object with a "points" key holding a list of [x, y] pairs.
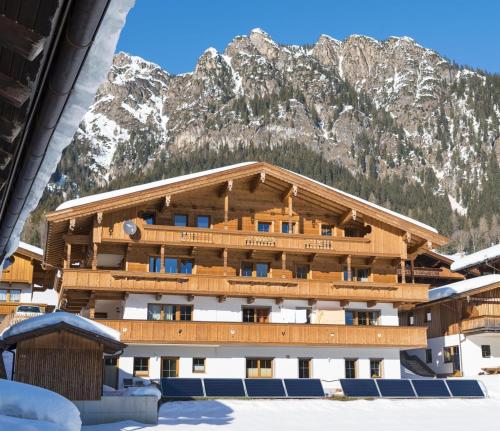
{"points": [[180, 220], [285, 227], [169, 367], [141, 366], [3, 295], [301, 271], [149, 218], [174, 265], [428, 316], [264, 226], [357, 274], [449, 354], [170, 312], [361, 317], [411, 319], [486, 351], [261, 269], [375, 368], [198, 365], [246, 269], [259, 368], [326, 230], [13, 295], [428, 356], [256, 314], [203, 221], [304, 368], [351, 232], [154, 263], [350, 368], [100, 315]]}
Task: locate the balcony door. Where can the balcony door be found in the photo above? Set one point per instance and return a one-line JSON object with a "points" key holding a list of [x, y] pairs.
{"points": [[170, 367]]}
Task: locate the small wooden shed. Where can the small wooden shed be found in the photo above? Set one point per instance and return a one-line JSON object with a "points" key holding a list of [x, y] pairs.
{"points": [[63, 355]]}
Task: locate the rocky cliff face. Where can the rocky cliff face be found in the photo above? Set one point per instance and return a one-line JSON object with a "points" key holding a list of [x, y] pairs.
{"points": [[380, 108]]}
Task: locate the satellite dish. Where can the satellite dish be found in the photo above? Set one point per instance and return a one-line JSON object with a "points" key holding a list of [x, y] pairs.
{"points": [[8, 262], [129, 227]]}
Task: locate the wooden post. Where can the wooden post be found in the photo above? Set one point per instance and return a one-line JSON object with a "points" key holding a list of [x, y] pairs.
{"points": [[94, 256], [67, 264], [224, 254], [290, 212], [283, 265], [162, 258], [229, 187], [403, 271], [92, 306], [349, 268], [412, 268]]}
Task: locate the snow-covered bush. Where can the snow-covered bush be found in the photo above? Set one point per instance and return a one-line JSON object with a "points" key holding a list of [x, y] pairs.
{"points": [[139, 391], [23, 401]]}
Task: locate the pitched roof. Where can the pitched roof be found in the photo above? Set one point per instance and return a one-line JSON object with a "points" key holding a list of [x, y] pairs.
{"points": [[476, 258], [129, 191], [462, 287], [31, 248]]}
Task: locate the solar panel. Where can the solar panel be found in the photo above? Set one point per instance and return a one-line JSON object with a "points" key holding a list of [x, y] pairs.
{"points": [[465, 388], [395, 388], [304, 388], [265, 388], [431, 388], [181, 387], [224, 388], [359, 387]]}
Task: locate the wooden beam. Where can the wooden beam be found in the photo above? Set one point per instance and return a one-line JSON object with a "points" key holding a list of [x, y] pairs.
{"points": [[347, 217], [371, 303], [193, 251], [311, 257], [257, 181], [222, 298], [279, 301], [283, 264], [8, 131], [344, 303], [371, 260], [251, 254], [224, 256], [291, 191], [94, 256], [403, 271], [92, 305], [13, 92], [162, 258], [226, 188], [190, 298], [158, 296], [19, 39], [250, 299], [312, 301]]}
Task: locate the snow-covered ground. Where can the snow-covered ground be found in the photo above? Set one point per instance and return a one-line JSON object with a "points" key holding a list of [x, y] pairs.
{"points": [[289, 415]]}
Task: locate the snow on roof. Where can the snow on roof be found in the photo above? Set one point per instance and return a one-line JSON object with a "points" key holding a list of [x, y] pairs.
{"points": [[128, 190], [378, 207], [50, 319], [476, 258], [31, 248], [121, 192], [462, 286]]}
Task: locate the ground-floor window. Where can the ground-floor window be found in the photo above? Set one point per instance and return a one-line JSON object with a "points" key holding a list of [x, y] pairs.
{"points": [[170, 312], [170, 367], [428, 356], [375, 368], [350, 368], [10, 295], [486, 351], [199, 365], [141, 366], [259, 368], [449, 353], [304, 368]]}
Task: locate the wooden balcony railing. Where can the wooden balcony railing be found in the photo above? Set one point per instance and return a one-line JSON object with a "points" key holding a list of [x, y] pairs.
{"points": [[234, 239], [207, 285], [481, 323], [167, 332], [10, 307]]}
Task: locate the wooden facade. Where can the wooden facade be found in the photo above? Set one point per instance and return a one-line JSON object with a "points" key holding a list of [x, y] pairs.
{"points": [[476, 311], [315, 243]]}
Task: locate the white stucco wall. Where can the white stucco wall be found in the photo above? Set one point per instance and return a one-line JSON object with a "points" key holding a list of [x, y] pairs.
{"points": [[472, 360], [230, 361], [209, 309]]}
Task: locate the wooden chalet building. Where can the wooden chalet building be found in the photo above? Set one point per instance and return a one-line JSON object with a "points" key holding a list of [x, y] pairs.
{"points": [[463, 319], [247, 270], [25, 282]]}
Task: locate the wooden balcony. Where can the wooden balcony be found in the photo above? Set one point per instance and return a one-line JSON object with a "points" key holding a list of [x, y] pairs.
{"points": [[244, 240], [165, 332], [481, 324], [206, 285], [10, 307]]}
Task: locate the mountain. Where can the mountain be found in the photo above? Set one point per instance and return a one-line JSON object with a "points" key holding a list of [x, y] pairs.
{"points": [[389, 120]]}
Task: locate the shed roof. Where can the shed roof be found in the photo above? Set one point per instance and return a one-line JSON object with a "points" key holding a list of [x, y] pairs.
{"points": [[477, 258], [464, 286]]}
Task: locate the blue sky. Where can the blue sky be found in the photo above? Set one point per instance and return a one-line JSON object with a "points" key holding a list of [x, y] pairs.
{"points": [[174, 33]]}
